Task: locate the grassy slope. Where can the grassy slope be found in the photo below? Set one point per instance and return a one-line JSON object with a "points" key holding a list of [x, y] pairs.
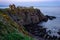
{"points": [[9, 31]]}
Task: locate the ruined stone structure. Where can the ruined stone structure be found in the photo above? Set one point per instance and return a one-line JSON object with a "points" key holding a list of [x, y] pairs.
{"points": [[26, 15], [12, 7]]}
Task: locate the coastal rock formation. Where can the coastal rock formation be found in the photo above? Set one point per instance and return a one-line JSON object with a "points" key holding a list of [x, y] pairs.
{"points": [[51, 17], [25, 19], [26, 15]]}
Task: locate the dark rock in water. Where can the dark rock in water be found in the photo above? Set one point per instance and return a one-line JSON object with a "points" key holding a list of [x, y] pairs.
{"points": [[59, 38], [46, 36], [45, 19], [58, 33], [49, 31], [54, 37], [51, 17], [50, 38], [41, 35]]}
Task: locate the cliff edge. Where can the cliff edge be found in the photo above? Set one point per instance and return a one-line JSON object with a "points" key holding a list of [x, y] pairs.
{"points": [[25, 15]]}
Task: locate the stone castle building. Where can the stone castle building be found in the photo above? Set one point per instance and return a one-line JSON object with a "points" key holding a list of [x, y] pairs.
{"points": [[12, 7]]}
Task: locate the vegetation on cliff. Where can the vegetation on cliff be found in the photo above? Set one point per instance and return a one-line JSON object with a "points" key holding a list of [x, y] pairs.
{"points": [[9, 29], [13, 18]]}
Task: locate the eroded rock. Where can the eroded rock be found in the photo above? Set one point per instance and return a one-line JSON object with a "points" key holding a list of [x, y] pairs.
{"points": [[51, 17], [27, 14]]}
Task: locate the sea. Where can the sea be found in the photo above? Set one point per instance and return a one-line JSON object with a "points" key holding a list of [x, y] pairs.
{"points": [[52, 25]]}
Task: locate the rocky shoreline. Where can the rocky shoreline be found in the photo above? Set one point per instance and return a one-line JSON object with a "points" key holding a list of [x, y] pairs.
{"points": [[29, 17], [39, 32]]}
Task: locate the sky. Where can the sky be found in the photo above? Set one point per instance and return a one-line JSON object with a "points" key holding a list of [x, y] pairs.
{"points": [[26, 0], [4, 3]]}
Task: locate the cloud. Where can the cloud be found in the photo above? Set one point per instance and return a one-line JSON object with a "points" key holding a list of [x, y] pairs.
{"points": [[7, 2], [30, 2], [26, 0]]}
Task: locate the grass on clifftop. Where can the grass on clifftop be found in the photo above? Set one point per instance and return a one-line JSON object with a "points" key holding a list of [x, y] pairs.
{"points": [[9, 32]]}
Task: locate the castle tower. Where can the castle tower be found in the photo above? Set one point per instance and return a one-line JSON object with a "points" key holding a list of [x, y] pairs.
{"points": [[12, 7]]}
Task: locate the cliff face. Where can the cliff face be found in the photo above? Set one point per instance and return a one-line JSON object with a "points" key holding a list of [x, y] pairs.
{"points": [[25, 15]]}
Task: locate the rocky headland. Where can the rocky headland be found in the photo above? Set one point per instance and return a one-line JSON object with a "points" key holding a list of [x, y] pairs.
{"points": [[27, 18], [26, 15]]}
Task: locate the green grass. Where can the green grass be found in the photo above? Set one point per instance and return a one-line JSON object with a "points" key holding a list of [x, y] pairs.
{"points": [[16, 36], [8, 32]]}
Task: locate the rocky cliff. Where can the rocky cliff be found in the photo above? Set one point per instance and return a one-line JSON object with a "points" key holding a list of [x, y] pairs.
{"points": [[10, 30], [25, 15], [18, 18]]}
